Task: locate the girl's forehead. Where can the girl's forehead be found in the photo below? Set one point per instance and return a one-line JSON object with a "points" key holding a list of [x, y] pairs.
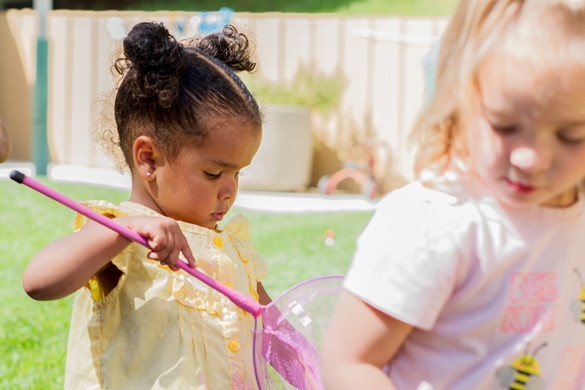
{"points": [[532, 78]]}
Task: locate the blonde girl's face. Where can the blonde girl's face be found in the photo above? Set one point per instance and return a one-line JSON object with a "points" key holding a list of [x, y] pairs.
{"points": [[200, 185], [527, 135]]}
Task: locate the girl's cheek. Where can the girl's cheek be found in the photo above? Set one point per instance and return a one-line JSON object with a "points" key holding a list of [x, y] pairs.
{"points": [[491, 145]]}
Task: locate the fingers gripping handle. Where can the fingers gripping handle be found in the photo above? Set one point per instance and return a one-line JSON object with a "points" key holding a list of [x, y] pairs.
{"points": [[241, 300]]}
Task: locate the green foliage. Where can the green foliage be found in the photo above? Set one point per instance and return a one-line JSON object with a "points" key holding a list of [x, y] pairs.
{"points": [[318, 91], [33, 335], [353, 7]]}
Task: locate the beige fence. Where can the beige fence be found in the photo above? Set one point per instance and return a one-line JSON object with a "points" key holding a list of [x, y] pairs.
{"points": [[380, 58]]}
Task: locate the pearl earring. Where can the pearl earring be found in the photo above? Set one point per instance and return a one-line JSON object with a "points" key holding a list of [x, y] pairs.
{"points": [[148, 174]]}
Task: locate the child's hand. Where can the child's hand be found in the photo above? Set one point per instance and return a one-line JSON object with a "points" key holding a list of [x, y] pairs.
{"points": [[164, 237]]}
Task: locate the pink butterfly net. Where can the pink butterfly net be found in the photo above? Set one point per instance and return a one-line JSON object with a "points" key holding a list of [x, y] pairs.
{"points": [[286, 349]]}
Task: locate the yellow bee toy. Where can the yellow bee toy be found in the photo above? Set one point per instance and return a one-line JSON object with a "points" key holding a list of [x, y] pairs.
{"points": [[578, 305], [523, 374]]}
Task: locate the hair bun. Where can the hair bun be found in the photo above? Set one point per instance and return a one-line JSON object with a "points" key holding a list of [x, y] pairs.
{"points": [[230, 47], [155, 61]]}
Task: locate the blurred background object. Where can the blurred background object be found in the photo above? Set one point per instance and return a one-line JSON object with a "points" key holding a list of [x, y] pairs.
{"points": [[350, 7], [4, 142], [358, 77]]}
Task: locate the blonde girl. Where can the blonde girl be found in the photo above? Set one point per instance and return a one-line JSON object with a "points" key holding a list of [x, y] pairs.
{"points": [[470, 277], [187, 125]]}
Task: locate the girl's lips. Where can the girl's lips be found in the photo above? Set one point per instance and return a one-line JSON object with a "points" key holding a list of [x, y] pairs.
{"points": [[520, 188], [217, 216]]}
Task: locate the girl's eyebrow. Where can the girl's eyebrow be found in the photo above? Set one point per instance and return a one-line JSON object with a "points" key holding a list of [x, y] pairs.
{"points": [[223, 164], [491, 114]]}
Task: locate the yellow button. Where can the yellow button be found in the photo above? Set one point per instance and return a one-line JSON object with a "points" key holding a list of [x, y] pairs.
{"points": [[217, 242], [234, 346]]}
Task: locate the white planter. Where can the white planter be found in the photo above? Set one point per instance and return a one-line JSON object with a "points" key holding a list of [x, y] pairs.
{"points": [[284, 160]]}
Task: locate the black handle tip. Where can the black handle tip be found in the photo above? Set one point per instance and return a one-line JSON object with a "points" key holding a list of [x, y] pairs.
{"points": [[17, 176]]}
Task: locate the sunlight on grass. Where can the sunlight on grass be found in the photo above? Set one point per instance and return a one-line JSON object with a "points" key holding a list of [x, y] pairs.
{"points": [[33, 335]]}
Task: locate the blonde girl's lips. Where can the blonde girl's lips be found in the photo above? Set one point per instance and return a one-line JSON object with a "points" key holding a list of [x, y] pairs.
{"points": [[520, 188]]}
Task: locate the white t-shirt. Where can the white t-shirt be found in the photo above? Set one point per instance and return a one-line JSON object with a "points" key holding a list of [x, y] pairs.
{"points": [[483, 285]]}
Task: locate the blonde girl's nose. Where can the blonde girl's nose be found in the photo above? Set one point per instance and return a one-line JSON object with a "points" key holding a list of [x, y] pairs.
{"points": [[529, 159]]}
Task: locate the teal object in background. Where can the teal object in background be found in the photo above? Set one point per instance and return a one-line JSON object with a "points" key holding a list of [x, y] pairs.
{"points": [[40, 141], [40, 152], [430, 61], [212, 22]]}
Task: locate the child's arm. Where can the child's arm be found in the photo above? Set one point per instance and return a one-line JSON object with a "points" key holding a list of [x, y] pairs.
{"points": [[263, 297], [360, 340], [65, 265]]}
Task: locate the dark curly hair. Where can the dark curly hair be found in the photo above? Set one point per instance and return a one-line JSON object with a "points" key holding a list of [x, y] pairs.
{"points": [[169, 89]]}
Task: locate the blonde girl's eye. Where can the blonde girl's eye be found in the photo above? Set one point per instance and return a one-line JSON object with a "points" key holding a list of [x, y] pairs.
{"points": [[504, 130], [570, 139]]}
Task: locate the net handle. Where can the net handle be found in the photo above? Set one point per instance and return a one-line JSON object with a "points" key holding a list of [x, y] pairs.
{"points": [[239, 299]]}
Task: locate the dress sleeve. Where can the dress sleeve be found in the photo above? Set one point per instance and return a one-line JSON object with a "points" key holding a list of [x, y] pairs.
{"points": [[121, 261], [406, 260], [239, 227]]}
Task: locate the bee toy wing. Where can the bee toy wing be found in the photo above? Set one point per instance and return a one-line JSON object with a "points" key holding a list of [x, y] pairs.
{"points": [[534, 383], [577, 310], [506, 375]]}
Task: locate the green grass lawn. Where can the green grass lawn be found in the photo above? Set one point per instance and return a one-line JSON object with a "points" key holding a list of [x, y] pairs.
{"points": [[33, 335]]}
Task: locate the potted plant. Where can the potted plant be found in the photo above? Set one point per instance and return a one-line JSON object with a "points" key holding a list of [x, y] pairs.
{"points": [[284, 160]]}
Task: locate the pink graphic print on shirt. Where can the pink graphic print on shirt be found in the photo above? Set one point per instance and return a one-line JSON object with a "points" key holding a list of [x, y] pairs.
{"points": [[572, 369], [531, 299]]}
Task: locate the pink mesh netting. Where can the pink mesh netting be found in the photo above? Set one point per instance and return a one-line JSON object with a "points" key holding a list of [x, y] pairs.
{"points": [[286, 349]]}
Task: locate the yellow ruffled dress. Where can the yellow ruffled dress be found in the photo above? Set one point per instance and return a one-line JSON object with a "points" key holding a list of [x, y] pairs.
{"points": [[159, 329]]}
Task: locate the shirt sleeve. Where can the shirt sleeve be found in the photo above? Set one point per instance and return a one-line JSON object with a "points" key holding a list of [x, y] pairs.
{"points": [[120, 261], [406, 260]]}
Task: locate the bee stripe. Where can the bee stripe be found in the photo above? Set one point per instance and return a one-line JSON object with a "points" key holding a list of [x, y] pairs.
{"points": [[517, 386], [522, 377]]}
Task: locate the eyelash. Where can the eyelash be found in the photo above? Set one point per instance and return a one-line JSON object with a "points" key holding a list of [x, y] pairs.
{"points": [[507, 130], [215, 176], [212, 175], [568, 141], [504, 130]]}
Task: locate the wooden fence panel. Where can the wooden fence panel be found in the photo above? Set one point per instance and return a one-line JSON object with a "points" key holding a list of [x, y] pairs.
{"points": [[380, 58]]}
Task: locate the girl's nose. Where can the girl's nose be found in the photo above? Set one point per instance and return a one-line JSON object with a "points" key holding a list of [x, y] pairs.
{"points": [[529, 159], [229, 189]]}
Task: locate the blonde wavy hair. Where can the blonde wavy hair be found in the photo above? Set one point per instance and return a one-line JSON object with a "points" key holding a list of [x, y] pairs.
{"points": [[477, 29]]}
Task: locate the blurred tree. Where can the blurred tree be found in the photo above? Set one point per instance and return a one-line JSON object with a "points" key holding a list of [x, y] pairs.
{"points": [[372, 7]]}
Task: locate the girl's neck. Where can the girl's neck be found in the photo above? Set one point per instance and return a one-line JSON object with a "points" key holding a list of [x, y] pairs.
{"points": [[142, 196]]}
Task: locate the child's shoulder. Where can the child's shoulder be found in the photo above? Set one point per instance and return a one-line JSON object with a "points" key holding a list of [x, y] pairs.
{"points": [[102, 207], [239, 226], [429, 206]]}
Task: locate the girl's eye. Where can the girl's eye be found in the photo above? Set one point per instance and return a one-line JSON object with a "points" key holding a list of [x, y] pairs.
{"points": [[212, 175], [504, 130], [566, 139]]}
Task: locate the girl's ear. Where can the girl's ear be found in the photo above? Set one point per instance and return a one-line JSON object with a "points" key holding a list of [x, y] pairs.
{"points": [[147, 157]]}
